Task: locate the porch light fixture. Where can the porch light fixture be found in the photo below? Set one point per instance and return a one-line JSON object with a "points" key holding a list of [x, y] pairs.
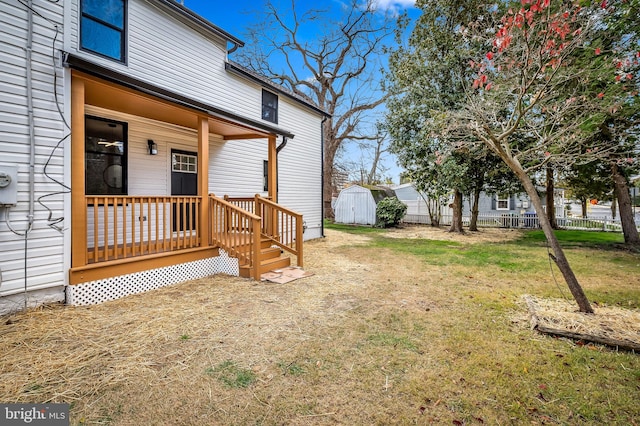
{"points": [[153, 147]]}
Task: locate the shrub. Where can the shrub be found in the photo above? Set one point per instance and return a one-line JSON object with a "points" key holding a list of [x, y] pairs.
{"points": [[389, 212]]}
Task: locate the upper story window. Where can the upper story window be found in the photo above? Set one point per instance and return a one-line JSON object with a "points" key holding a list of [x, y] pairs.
{"points": [[102, 28], [269, 107]]}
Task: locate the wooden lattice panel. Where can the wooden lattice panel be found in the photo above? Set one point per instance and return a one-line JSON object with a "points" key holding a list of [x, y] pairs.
{"points": [[100, 291]]}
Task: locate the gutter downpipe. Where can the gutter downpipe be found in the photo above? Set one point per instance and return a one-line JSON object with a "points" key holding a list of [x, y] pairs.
{"points": [[233, 49], [282, 145], [322, 176], [32, 142]]}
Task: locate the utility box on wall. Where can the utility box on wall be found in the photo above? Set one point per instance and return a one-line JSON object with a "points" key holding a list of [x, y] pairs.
{"points": [[8, 186]]}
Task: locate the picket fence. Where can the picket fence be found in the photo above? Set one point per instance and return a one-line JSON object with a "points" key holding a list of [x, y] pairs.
{"points": [[526, 221]]}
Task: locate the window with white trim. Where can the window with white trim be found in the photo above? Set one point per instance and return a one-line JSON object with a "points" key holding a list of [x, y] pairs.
{"points": [[184, 163], [502, 202]]}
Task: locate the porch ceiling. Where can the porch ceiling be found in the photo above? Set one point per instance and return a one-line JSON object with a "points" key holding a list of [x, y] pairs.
{"points": [[118, 98]]}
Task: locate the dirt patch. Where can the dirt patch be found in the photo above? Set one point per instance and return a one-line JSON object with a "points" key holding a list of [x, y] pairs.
{"points": [[484, 235]]}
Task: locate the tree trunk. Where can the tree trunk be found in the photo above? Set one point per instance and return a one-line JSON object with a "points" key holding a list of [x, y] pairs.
{"points": [[614, 204], [621, 190], [434, 217], [328, 191], [456, 220], [558, 254], [473, 224], [583, 205], [551, 206], [330, 148]]}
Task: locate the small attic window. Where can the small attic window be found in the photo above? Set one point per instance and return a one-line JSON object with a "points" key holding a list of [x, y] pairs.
{"points": [[269, 106]]}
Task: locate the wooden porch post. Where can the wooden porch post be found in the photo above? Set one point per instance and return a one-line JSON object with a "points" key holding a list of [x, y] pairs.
{"points": [[78, 204], [273, 169], [203, 179]]}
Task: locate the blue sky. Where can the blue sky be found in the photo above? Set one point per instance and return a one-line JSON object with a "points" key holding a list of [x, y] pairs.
{"points": [[235, 16]]}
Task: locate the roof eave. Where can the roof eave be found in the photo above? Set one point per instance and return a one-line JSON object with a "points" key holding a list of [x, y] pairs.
{"points": [[81, 64], [198, 20], [240, 71]]}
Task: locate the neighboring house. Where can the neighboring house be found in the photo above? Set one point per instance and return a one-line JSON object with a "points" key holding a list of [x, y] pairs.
{"points": [[416, 202], [117, 124], [357, 204], [488, 204]]}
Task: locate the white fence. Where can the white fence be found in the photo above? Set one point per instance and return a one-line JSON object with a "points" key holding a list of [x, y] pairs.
{"points": [[526, 221]]}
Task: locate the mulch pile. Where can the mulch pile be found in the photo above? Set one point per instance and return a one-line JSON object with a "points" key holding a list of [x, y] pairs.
{"points": [[609, 325]]}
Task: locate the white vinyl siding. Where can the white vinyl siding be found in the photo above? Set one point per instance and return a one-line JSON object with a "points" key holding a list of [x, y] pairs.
{"points": [[236, 167], [44, 252], [300, 165], [167, 53]]}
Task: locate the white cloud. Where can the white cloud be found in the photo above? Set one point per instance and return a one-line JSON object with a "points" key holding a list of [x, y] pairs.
{"points": [[393, 4]]}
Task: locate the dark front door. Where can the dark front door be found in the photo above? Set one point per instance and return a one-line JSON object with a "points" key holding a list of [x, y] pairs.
{"points": [[184, 181]]}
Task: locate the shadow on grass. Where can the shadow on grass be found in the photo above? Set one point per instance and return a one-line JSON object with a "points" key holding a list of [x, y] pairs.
{"points": [[578, 239]]}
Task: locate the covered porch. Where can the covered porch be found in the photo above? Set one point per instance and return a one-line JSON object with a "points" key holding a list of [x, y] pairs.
{"points": [[132, 231]]}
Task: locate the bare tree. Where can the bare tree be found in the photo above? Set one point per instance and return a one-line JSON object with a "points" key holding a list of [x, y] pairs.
{"points": [[333, 63]]}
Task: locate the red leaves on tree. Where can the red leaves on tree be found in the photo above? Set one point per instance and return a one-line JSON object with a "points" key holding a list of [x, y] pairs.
{"points": [[557, 30]]}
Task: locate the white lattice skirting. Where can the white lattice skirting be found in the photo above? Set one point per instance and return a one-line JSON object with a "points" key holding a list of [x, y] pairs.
{"points": [[99, 291]]}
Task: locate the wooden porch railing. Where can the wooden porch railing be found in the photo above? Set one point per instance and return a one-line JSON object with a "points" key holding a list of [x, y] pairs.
{"points": [[120, 227], [282, 226], [237, 231], [240, 223]]}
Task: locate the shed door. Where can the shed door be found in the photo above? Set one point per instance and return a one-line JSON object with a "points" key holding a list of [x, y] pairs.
{"points": [[184, 181], [361, 207]]}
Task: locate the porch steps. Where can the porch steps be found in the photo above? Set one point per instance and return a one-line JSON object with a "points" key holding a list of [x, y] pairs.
{"points": [[271, 259]]}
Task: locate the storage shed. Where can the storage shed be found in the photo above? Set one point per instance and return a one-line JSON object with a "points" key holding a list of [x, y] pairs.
{"points": [[357, 204]]}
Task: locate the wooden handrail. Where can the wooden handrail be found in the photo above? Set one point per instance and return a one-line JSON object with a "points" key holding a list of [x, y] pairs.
{"points": [[236, 231], [282, 226]]}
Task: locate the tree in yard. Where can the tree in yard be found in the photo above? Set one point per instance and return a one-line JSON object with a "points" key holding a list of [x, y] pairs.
{"points": [[333, 63], [539, 77], [587, 181], [425, 77], [617, 135]]}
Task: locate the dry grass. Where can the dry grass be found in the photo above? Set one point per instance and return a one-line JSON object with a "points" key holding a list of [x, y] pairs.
{"points": [[374, 337]]}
